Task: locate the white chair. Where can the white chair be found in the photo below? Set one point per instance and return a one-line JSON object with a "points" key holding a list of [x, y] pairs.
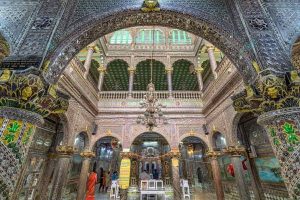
{"points": [[152, 185], [185, 189], [114, 190], [159, 185]]}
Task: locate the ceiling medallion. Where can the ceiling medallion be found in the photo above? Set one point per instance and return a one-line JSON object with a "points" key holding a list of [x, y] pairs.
{"points": [[150, 6]]}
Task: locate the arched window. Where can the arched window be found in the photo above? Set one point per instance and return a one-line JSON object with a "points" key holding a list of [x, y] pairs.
{"points": [[145, 36], [121, 37], [220, 141], [179, 37]]}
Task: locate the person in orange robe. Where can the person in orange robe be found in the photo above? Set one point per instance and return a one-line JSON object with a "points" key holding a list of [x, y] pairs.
{"points": [[92, 180]]}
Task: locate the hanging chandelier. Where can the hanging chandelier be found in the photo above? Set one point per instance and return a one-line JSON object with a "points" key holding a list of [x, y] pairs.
{"points": [[153, 114]]}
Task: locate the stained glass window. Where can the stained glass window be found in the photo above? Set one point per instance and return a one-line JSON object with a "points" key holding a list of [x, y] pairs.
{"points": [[146, 36], [121, 37], [179, 37]]}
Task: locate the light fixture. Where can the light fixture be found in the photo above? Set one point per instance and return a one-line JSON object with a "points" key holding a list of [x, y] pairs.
{"points": [[153, 113]]}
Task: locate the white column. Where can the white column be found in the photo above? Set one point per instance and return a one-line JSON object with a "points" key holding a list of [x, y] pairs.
{"points": [[88, 60], [199, 71], [131, 76], [102, 71], [212, 59], [169, 71]]}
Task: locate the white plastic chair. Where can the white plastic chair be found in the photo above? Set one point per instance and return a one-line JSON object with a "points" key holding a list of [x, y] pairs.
{"points": [[185, 189], [114, 190]]}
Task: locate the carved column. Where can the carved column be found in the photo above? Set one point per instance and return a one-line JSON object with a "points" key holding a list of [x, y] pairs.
{"points": [[86, 155], [212, 59], [175, 174], [24, 100], [131, 77], [213, 155], [88, 60], [236, 152], [276, 99], [169, 71], [102, 71], [199, 71], [64, 154]]}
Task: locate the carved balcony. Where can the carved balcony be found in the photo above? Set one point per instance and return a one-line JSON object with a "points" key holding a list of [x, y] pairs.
{"points": [[121, 101]]}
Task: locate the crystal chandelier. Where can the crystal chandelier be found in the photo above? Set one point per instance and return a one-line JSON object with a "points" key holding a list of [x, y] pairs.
{"points": [[153, 114]]}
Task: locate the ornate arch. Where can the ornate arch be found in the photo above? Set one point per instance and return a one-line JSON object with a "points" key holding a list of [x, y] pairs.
{"points": [[98, 137], [138, 135], [200, 137], [97, 26]]}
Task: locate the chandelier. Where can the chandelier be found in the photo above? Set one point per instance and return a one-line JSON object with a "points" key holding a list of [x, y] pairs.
{"points": [[153, 114]]}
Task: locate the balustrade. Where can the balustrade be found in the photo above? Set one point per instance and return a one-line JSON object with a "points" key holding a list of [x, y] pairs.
{"points": [[159, 94]]}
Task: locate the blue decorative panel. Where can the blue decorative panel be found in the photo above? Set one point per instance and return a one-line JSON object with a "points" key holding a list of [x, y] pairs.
{"points": [[268, 169]]}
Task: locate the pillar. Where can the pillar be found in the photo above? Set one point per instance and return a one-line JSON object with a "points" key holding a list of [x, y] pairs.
{"points": [[86, 155], [212, 59], [102, 71], [213, 155], [236, 152], [277, 100], [199, 71], [175, 174], [131, 77], [283, 131], [64, 154], [88, 60], [25, 100], [169, 71]]}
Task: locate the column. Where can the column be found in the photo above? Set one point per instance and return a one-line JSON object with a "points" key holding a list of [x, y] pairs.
{"points": [[60, 176], [169, 71], [236, 152], [86, 155], [131, 77], [277, 103], [213, 155], [212, 59], [199, 71], [17, 124], [102, 71], [175, 174], [88, 60]]}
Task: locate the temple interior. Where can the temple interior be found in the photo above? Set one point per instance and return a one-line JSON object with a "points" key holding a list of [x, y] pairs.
{"points": [[149, 100]]}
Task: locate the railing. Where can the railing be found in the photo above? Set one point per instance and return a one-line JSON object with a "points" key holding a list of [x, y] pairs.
{"points": [[141, 94]]}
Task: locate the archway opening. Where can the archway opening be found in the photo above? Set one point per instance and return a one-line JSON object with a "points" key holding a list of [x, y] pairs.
{"points": [[106, 163], [73, 41], [195, 166], [150, 160]]}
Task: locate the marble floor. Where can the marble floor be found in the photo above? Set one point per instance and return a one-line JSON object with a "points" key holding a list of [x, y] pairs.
{"points": [[197, 196]]}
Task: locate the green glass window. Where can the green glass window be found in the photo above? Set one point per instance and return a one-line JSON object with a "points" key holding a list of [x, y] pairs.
{"points": [[146, 36], [179, 37], [121, 37]]}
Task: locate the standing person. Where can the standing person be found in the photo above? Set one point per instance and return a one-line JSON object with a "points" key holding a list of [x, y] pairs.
{"points": [[103, 182], [92, 180], [114, 176], [101, 179], [108, 180]]}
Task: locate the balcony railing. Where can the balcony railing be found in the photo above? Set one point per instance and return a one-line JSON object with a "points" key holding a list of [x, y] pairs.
{"points": [[159, 94]]}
